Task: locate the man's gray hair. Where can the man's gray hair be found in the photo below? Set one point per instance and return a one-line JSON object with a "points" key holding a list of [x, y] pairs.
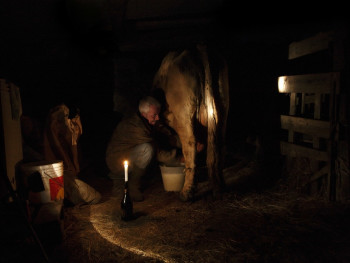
{"points": [[146, 102]]}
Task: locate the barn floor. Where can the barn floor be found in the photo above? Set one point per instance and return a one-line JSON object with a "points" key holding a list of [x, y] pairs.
{"points": [[250, 225]]}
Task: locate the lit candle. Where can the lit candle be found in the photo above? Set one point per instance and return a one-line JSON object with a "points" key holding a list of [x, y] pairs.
{"points": [[126, 170]]}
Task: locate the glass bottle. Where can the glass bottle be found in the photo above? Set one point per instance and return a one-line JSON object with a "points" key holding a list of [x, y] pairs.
{"points": [[126, 204]]}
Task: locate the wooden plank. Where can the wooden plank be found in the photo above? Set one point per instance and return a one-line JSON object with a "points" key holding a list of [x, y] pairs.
{"points": [[290, 136], [292, 111], [309, 98], [293, 104], [317, 108], [317, 128], [302, 111], [310, 45], [323, 171], [294, 150], [242, 172], [308, 83], [10, 110], [338, 55]]}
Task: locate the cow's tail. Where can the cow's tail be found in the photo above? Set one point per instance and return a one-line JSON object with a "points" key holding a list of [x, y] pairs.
{"points": [[214, 157]]}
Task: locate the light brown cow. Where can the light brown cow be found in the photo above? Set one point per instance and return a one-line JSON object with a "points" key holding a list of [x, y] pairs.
{"points": [[196, 90]]}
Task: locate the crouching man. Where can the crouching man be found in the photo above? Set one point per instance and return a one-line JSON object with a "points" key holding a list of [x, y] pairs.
{"points": [[143, 141]]}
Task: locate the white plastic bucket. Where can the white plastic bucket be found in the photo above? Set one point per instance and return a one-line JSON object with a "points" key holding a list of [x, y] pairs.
{"points": [[44, 181], [173, 177]]}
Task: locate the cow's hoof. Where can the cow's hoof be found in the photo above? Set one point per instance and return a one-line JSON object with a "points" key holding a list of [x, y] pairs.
{"points": [[185, 196]]}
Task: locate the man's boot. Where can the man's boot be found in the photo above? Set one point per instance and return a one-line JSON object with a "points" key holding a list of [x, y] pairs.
{"points": [[135, 184]]}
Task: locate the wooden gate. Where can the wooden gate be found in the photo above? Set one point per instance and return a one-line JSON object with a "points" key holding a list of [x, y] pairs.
{"points": [[312, 126]]}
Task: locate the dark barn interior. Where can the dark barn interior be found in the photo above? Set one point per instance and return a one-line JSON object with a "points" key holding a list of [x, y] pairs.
{"points": [[100, 57]]}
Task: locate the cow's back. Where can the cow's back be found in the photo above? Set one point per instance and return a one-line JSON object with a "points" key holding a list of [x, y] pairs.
{"points": [[180, 77]]}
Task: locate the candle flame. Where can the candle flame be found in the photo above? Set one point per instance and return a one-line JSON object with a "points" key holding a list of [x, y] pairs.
{"points": [[125, 163]]}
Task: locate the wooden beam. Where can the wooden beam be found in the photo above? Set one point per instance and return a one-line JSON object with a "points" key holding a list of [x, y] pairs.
{"points": [[309, 83], [309, 98], [153, 24], [319, 173], [317, 107], [317, 128], [293, 103], [233, 176], [310, 45], [294, 150]]}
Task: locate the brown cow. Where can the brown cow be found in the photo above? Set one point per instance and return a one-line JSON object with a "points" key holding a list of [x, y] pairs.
{"points": [[195, 87]]}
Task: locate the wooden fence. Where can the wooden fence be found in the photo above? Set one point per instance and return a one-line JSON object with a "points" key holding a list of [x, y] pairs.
{"points": [[313, 124]]}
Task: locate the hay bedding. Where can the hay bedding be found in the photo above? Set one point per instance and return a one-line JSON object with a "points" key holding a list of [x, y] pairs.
{"points": [[270, 226]]}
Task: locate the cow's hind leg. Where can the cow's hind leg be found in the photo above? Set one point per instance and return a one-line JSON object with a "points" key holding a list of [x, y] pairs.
{"points": [[187, 192], [187, 138]]}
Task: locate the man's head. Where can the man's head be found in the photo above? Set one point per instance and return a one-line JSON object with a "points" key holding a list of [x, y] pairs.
{"points": [[149, 108]]}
